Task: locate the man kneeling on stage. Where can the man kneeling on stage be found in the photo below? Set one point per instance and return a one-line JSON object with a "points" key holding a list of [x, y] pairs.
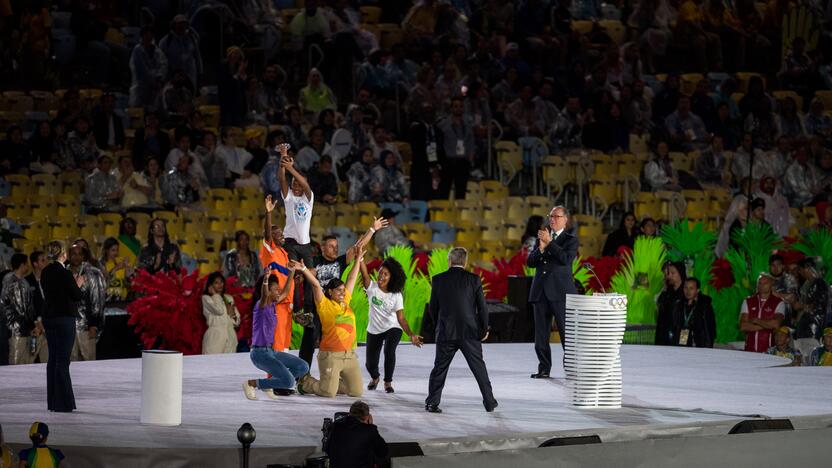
{"points": [[355, 441]]}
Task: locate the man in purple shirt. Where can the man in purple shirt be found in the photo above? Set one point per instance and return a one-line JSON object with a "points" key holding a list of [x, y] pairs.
{"points": [[284, 368]]}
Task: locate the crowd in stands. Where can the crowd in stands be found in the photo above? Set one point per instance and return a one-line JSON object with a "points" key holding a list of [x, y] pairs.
{"points": [[406, 103]]}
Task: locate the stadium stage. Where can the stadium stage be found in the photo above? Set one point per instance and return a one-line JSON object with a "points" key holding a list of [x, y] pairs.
{"points": [[668, 393]]}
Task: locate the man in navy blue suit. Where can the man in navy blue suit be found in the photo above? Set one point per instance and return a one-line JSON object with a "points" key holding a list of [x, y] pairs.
{"points": [[552, 257]]}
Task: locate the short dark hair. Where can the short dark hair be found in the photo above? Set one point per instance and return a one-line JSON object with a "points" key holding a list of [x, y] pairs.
{"points": [[457, 98], [34, 256], [806, 263], [239, 234], [328, 237], [359, 409], [18, 259], [694, 281], [776, 257], [397, 275]]}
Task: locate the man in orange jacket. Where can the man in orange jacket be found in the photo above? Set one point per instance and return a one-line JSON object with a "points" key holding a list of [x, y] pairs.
{"points": [[275, 260]]}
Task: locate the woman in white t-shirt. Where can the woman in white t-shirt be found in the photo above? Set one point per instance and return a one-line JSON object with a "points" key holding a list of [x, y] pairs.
{"points": [[386, 320]]}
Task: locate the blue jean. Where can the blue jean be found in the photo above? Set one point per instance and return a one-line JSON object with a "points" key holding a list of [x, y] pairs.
{"points": [[283, 367]]}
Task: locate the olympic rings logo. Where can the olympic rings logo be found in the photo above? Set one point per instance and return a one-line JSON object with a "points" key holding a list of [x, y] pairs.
{"points": [[618, 302]]}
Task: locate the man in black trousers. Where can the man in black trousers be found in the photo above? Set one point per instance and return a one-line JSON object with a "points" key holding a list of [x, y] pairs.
{"points": [[457, 306], [552, 257]]}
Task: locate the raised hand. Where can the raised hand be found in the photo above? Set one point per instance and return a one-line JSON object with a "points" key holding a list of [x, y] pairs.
{"points": [[270, 204], [380, 223], [294, 265]]}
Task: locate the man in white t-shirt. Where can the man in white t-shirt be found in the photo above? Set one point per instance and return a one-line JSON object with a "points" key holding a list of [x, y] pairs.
{"points": [[298, 201]]}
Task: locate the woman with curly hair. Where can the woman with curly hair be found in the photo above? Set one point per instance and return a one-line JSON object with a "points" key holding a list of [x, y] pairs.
{"points": [[386, 320]]}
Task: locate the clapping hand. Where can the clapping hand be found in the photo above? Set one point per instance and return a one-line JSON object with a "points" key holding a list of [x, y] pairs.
{"points": [[545, 237]]}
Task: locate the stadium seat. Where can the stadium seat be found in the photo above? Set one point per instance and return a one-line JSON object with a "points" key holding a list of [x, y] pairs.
{"points": [[442, 232], [509, 160], [825, 96], [557, 174], [441, 210], [615, 29], [370, 14], [493, 190], [688, 82], [494, 210], [418, 233], [468, 210], [782, 95]]}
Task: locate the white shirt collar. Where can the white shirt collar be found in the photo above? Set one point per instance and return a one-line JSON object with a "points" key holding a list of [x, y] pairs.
{"points": [[558, 233]]}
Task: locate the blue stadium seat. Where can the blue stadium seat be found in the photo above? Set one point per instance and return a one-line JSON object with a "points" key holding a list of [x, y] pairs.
{"points": [[443, 233], [416, 211]]}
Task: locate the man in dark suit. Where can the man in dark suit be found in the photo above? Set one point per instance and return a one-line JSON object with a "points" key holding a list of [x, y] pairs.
{"points": [[106, 125], [355, 441], [552, 256], [457, 306]]}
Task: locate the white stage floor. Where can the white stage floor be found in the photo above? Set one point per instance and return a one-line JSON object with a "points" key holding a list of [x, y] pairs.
{"points": [[664, 388]]}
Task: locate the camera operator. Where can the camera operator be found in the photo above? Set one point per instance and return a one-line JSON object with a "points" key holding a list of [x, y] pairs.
{"points": [[355, 441]]}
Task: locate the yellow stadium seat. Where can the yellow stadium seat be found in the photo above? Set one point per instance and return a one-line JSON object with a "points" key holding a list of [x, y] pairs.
{"points": [[493, 189], [688, 82], [509, 160], [45, 184], [21, 185], [582, 27], [474, 190], [370, 14], [418, 233], [744, 77], [782, 95], [468, 210], [615, 29], [494, 210], [557, 174]]}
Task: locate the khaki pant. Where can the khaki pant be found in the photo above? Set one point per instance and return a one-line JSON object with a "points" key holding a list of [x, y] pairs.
{"points": [[340, 374], [84, 347], [19, 351]]}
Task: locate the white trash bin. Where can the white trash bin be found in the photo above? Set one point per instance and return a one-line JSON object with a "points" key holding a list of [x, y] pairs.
{"points": [[594, 331], [161, 387]]}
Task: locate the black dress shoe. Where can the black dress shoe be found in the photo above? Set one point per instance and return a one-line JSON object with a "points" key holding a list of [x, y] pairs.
{"points": [[433, 409], [540, 375], [372, 385], [490, 408], [389, 389], [284, 391]]}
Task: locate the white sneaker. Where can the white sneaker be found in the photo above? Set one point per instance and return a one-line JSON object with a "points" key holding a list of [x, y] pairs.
{"points": [[270, 393], [249, 391]]}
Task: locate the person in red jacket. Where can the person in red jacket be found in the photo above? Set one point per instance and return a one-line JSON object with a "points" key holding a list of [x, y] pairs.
{"points": [[760, 315]]}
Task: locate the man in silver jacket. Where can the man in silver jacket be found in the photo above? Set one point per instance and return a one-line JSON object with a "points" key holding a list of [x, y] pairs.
{"points": [[18, 311], [91, 306]]}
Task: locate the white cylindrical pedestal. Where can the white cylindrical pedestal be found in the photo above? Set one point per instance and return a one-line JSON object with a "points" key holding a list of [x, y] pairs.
{"points": [[161, 388], [594, 331]]}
